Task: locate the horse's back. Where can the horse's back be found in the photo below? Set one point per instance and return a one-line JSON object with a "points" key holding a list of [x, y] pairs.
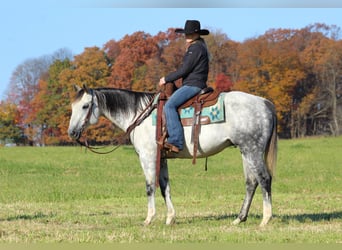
{"points": [[248, 115], [243, 98], [241, 103]]}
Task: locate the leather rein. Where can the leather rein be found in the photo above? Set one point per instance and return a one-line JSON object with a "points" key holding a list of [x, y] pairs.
{"points": [[123, 136]]}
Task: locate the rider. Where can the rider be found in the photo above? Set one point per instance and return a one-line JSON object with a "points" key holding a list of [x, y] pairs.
{"points": [[194, 73]]}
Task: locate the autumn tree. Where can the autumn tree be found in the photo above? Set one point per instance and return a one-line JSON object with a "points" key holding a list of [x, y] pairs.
{"points": [[223, 56], [51, 105], [315, 109], [112, 50], [55, 98], [270, 67], [223, 83], [135, 50], [9, 131], [330, 72], [299, 70], [324, 111], [92, 67], [23, 87]]}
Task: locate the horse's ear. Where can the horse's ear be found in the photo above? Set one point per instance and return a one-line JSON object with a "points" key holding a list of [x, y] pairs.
{"points": [[77, 88], [86, 89]]}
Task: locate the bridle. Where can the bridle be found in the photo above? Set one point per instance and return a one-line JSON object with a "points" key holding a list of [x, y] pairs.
{"points": [[120, 140], [90, 111]]}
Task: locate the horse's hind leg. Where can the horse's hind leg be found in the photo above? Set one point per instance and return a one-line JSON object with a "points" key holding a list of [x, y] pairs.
{"points": [[264, 179], [265, 183], [251, 185], [165, 190], [256, 174]]}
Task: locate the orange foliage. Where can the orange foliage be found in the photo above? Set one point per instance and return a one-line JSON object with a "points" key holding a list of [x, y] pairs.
{"points": [[135, 50], [298, 70]]}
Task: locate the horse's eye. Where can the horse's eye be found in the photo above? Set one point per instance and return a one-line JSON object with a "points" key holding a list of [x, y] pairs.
{"points": [[86, 106]]}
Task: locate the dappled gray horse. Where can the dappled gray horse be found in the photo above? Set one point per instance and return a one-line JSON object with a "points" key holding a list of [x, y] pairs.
{"points": [[250, 124]]}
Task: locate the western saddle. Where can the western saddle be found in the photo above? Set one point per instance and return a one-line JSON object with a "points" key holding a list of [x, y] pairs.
{"points": [[205, 98]]}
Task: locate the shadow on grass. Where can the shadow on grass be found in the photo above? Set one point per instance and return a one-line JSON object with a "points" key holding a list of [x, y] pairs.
{"points": [[314, 217], [214, 217], [302, 218], [34, 216]]}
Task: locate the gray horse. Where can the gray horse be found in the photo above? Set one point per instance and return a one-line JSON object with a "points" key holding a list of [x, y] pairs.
{"points": [[250, 124]]}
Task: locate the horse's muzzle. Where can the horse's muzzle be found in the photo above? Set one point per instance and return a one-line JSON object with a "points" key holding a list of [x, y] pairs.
{"points": [[74, 134]]}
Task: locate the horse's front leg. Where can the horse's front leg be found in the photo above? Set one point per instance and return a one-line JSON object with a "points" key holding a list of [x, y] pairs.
{"points": [[166, 192], [147, 162], [151, 206]]}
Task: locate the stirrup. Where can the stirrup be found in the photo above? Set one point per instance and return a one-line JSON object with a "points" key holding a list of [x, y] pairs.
{"points": [[167, 146], [170, 147], [161, 139]]}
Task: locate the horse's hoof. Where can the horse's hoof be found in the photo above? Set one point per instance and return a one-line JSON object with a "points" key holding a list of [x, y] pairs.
{"points": [[170, 221], [148, 221], [264, 222], [236, 222], [151, 215]]}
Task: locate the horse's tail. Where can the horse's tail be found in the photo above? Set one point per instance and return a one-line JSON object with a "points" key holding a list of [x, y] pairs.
{"points": [[272, 144]]}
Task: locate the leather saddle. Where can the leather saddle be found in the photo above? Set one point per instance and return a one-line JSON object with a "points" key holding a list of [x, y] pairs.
{"points": [[207, 97]]}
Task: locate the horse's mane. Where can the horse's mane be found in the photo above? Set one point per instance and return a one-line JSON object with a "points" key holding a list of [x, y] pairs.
{"points": [[121, 100]]}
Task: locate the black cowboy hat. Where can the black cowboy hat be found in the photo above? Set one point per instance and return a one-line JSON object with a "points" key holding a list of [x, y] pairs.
{"points": [[192, 26]]}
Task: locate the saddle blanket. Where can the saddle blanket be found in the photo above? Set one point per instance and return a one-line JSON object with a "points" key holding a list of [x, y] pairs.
{"points": [[215, 112]]}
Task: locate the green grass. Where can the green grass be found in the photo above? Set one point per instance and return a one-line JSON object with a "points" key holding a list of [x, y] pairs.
{"points": [[64, 194]]}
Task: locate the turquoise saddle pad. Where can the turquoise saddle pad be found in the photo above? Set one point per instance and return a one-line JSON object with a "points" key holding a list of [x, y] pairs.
{"points": [[214, 112]]}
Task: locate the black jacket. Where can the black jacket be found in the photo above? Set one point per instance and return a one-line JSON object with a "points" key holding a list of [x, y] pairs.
{"points": [[195, 67]]}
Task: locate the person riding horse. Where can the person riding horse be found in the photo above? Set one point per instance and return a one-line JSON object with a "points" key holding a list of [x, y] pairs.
{"points": [[194, 73], [250, 123]]}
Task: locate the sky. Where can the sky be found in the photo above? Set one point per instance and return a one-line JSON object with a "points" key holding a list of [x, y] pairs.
{"points": [[31, 29]]}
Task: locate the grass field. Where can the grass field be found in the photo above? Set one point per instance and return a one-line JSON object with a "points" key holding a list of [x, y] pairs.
{"points": [[64, 194]]}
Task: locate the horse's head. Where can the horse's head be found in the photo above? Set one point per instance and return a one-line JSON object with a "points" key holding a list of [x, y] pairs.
{"points": [[85, 111]]}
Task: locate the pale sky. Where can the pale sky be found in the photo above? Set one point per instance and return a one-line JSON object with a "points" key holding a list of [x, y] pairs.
{"points": [[30, 29]]}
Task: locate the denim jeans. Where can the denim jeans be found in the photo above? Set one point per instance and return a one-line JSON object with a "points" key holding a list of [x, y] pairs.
{"points": [[173, 123]]}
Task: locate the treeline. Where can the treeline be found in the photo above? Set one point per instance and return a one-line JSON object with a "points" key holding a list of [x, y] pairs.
{"points": [[300, 70]]}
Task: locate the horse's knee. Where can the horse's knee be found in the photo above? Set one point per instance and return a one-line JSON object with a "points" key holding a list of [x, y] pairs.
{"points": [[150, 188]]}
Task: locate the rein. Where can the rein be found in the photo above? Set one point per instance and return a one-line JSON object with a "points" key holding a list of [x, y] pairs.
{"points": [[122, 138]]}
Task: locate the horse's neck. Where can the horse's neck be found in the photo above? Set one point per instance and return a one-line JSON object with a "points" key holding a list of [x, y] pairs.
{"points": [[121, 119]]}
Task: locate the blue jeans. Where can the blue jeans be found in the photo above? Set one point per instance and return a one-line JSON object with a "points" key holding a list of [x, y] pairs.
{"points": [[173, 123]]}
